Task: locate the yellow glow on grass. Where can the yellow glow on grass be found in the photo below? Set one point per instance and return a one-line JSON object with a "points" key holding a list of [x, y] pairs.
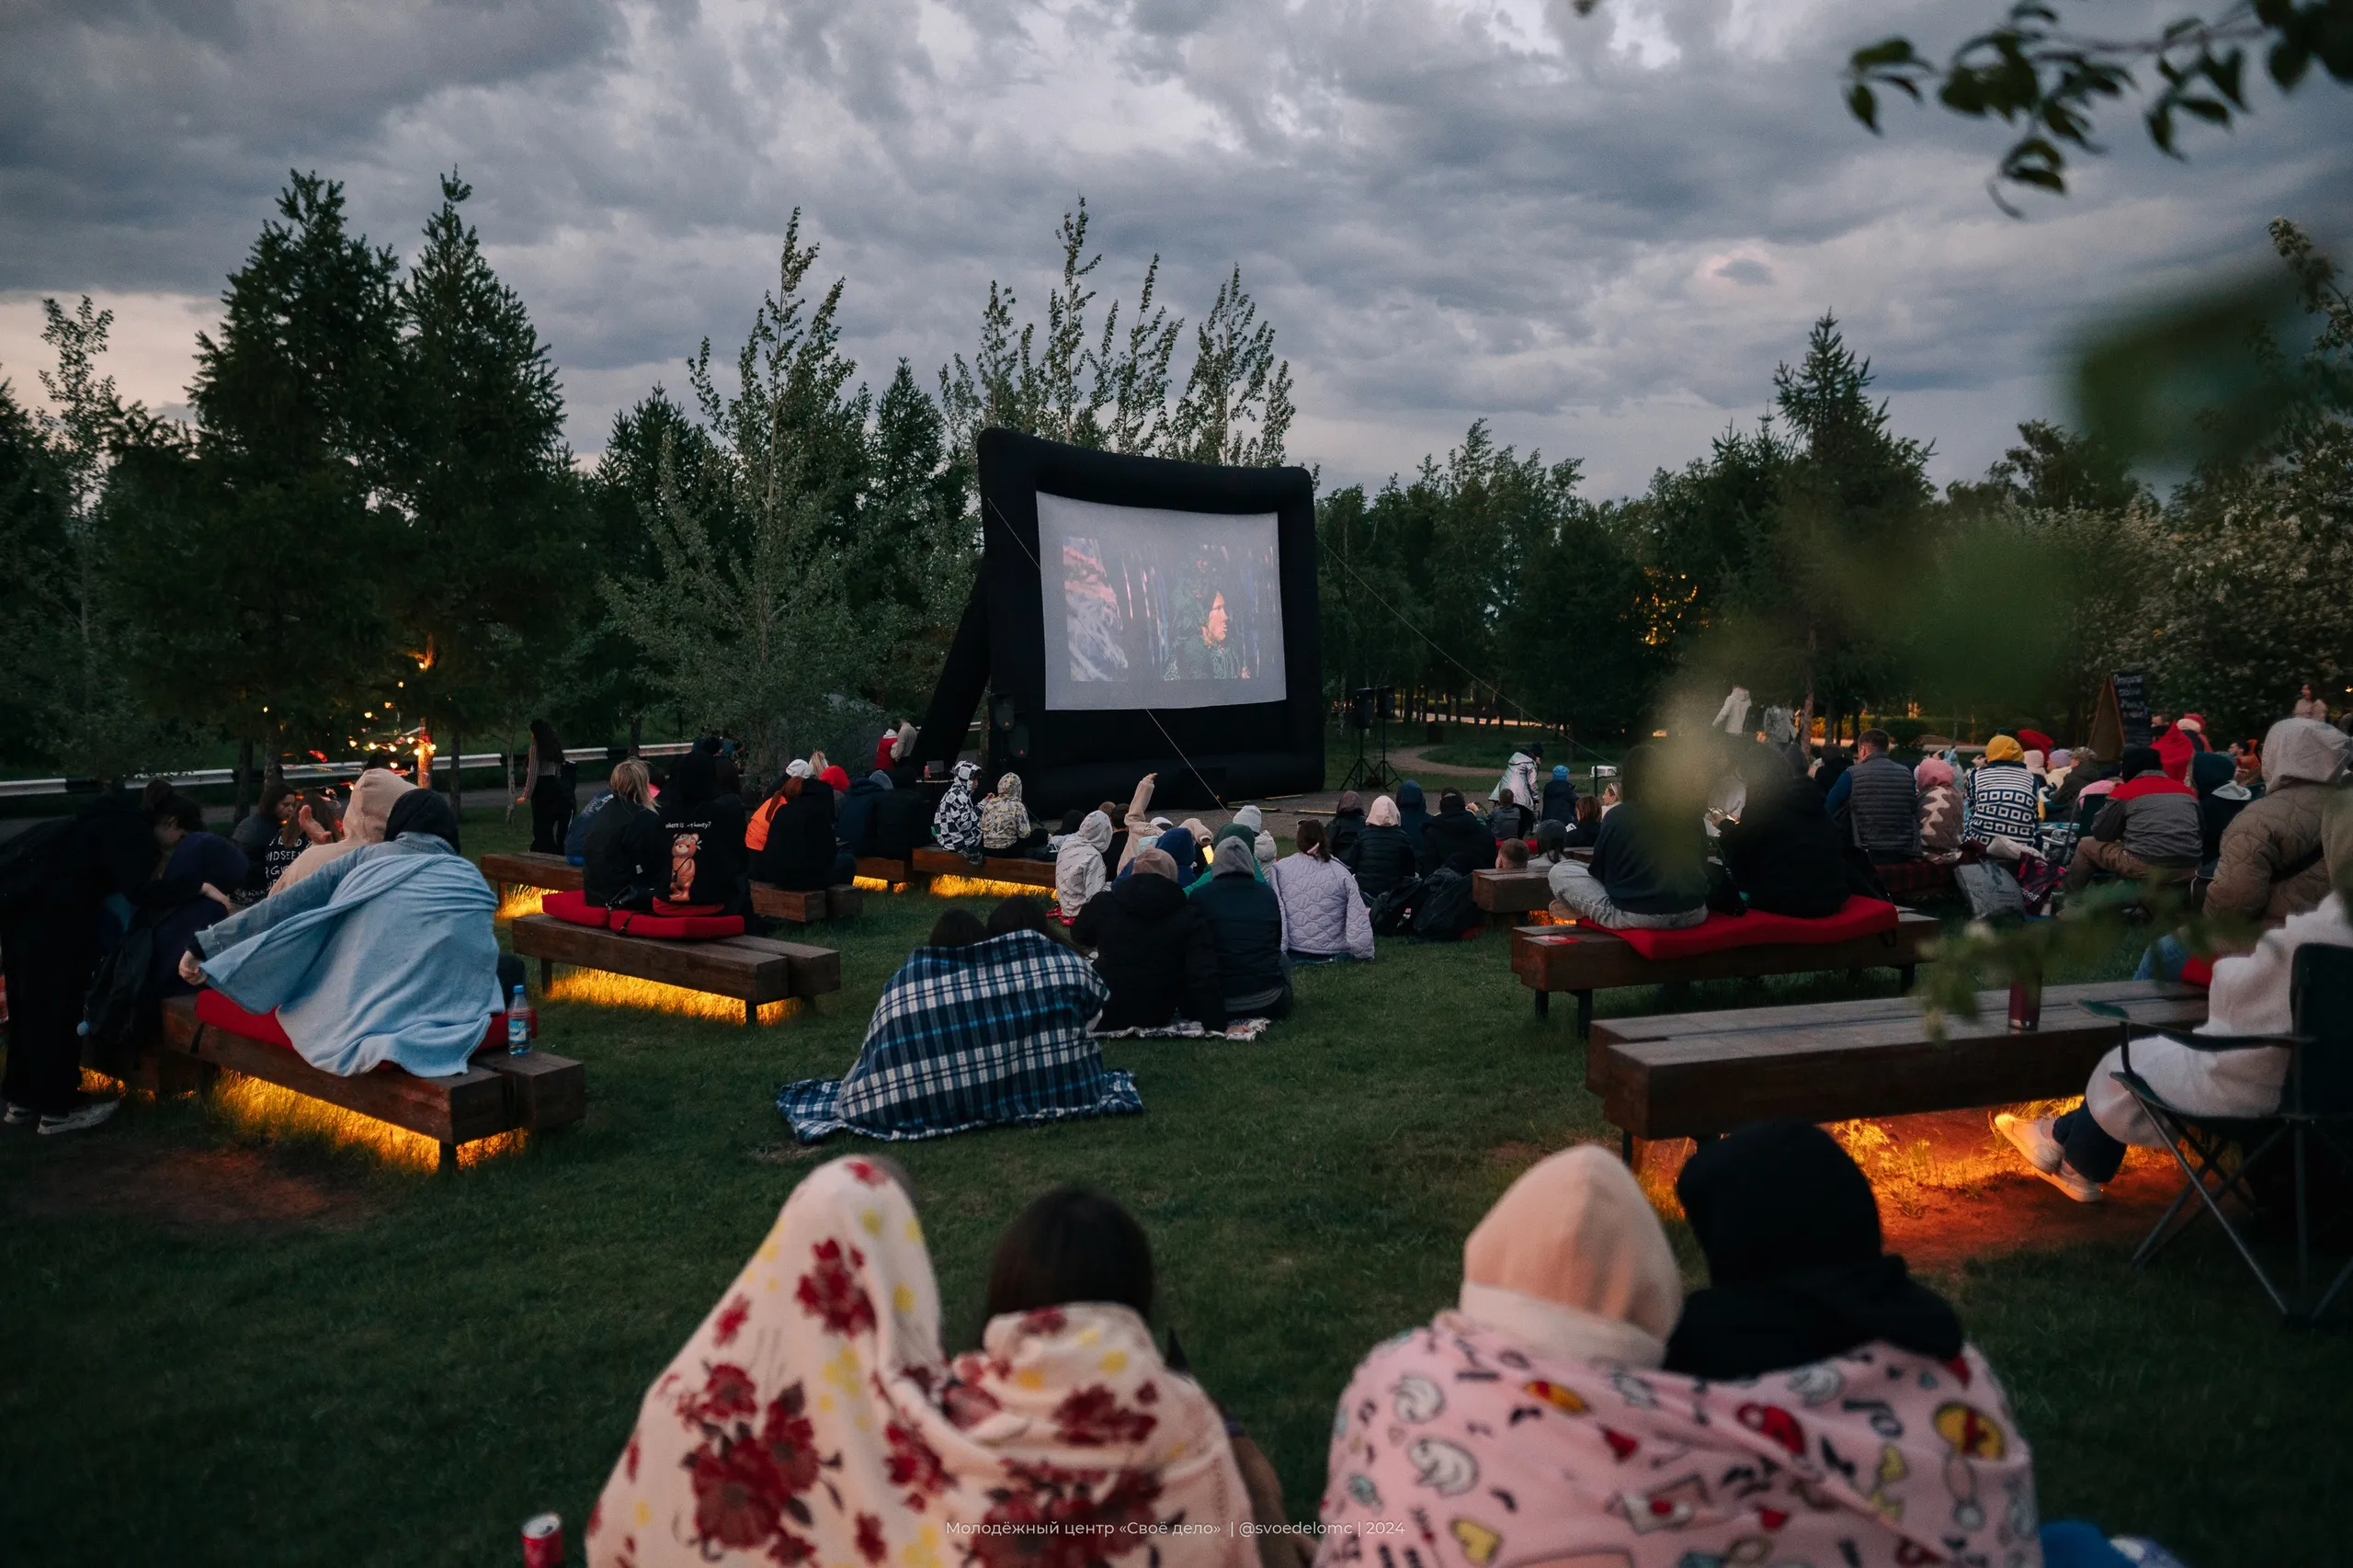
{"points": [[876, 885], [258, 1107], [985, 887], [520, 901], [604, 989]]}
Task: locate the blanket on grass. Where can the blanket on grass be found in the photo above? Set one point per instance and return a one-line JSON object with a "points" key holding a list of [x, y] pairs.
{"points": [[979, 1036], [399, 965]]}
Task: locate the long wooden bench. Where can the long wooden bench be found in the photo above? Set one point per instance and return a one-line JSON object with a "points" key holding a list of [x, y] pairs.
{"points": [[1581, 959], [1511, 893], [532, 868], [1698, 1074], [497, 1094], [890, 872], [755, 969], [994, 868]]}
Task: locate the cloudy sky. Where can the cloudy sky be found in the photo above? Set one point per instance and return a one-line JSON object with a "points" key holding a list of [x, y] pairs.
{"points": [[1600, 233]]}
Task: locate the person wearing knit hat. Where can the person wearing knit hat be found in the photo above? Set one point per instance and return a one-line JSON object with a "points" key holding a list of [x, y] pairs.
{"points": [[2004, 801], [2004, 748], [2035, 740]]}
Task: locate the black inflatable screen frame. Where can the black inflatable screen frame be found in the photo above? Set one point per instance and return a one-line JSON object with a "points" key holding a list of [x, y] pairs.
{"points": [[1204, 756]]}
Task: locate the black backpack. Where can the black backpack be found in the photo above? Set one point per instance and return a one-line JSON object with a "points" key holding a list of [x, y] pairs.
{"points": [[116, 1005], [1391, 911], [1445, 911]]}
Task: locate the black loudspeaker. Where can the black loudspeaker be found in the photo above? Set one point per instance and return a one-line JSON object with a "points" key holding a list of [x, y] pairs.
{"points": [[1361, 707], [1001, 716], [1016, 743], [1387, 699]]}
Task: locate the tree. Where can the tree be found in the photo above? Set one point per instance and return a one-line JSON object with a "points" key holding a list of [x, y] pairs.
{"points": [[2030, 72], [36, 624], [605, 679], [918, 541], [255, 553], [2054, 470], [495, 558]]}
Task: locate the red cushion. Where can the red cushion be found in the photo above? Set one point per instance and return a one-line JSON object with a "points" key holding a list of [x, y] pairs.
{"points": [[1720, 933], [213, 1007], [2198, 971], [663, 906], [575, 907], [677, 928]]}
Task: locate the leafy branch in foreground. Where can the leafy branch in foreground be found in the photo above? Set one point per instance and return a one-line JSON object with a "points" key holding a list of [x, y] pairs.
{"points": [[2031, 71]]}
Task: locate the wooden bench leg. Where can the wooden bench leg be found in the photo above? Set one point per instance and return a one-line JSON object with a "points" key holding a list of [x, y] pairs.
{"points": [[449, 1161], [1585, 1013], [750, 1015], [1626, 1150], [546, 975], [1904, 978], [1854, 977], [1544, 1003]]}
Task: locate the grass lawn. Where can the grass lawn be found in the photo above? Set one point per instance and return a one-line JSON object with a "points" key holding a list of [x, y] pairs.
{"points": [[404, 1374]]}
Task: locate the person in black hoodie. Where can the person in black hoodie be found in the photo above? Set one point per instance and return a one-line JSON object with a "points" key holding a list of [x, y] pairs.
{"points": [[626, 861], [801, 855], [1783, 850], [1347, 822], [1153, 948], [1454, 831], [705, 818], [1382, 855], [1246, 919], [854, 821]]}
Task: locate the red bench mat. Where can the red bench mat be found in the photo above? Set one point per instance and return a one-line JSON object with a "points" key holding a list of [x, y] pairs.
{"points": [[575, 908], [1721, 933], [676, 927], [216, 1009]]}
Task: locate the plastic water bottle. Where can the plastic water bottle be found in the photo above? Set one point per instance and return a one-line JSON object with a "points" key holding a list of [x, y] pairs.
{"points": [[519, 1025]]}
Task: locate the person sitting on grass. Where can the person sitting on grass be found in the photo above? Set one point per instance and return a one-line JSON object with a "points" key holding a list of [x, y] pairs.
{"points": [[386, 955], [1508, 818], [1153, 948], [628, 852], [2002, 799], [2078, 1151], [753, 1446], [1245, 921], [1347, 822], [2149, 831], [1650, 859], [1445, 910], [1413, 814], [1454, 831], [1939, 810], [1570, 1289], [1382, 856], [1511, 855], [1078, 865], [1783, 852], [1552, 846], [1323, 912]]}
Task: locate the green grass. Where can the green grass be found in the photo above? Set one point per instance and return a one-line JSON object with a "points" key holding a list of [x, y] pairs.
{"points": [[407, 1389]]}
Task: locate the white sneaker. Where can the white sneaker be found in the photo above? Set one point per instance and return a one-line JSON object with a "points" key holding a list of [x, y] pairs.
{"points": [[18, 1114], [86, 1115], [2033, 1139]]}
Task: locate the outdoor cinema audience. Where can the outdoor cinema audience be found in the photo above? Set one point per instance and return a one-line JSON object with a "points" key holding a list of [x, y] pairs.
{"points": [[798, 852], [956, 821], [2269, 864], [627, 858], [1650, 862], [2149, 830], [1560, 798], [1323, 913], [705, 868], [1880, 799], [1245, 923], [2002, 800], [1079, 873], [1413, 814], [1004, 820], [1153, 948], [1347, 820], [1382, 856], [1454, 831], [1783, 851], [1938, 813]]}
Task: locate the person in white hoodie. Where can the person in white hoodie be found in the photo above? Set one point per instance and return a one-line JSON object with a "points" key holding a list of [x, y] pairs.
{"points": [[1519, 778], [1078, 865]]}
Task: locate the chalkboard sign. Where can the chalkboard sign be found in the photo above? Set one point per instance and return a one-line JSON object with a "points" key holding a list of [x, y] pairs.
{"points": [[2132, 705]]}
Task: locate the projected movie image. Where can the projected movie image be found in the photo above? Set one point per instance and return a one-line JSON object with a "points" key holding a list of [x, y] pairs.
{"points": [[1154, 608]]}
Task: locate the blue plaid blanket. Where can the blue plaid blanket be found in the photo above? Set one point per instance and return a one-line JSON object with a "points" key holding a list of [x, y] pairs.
{"points": [[971, 1036]]}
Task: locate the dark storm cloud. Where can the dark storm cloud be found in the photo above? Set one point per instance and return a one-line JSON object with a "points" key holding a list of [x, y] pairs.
{"points": [[1601, 231]]}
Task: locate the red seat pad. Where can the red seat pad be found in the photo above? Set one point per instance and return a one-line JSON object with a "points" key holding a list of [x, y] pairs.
{"points": [[664, 907], [213, 1007], [677, 928], [575, 907], [1721, 933], [2198, 971]]}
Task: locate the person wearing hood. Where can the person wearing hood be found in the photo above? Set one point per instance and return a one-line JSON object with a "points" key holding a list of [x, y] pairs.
{"points": [[1571, 1292], [626, 860], [1649, 864], [2002, 799], [373, 794], [1413, 814], [1324, 911], [854, 822], [1939, 810], [1519, 778], [1154, 949], [2184, 739], [1784, 852], [1454, 831], [1560, 798], [1078, 865], [799, 854], [1004, 820], [956, 822], [704, 814], [2269, 866], [1347, 820], [2250, 995], [1245, 921], [1382, 855], [2149, 830]]}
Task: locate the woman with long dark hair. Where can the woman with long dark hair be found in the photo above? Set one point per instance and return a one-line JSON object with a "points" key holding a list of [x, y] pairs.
{"points": [[544, 788]]}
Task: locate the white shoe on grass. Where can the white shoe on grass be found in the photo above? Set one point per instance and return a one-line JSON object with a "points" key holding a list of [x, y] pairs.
{"points": [[2032, 1139], [89, 1114], [20, 1114]]}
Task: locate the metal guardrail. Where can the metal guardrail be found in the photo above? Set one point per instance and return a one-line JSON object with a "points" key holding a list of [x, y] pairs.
{"points": [[314, 772]]}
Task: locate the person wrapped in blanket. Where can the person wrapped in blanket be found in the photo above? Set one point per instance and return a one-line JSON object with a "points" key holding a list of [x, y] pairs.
{"points": [[385, 955], [1811, 1406], [978, 1028], [813, 1416]]}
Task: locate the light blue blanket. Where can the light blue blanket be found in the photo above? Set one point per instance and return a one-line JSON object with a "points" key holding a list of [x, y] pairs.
{"points": [[398, 964]]}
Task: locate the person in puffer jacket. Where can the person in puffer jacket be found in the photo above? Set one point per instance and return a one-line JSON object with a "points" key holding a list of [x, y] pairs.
{"points": [[2150, 830], [1004, 820], [1078, 865], [2270, 864], [1324, 911]]}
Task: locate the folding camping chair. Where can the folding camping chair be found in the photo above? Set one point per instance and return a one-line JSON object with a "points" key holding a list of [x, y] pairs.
{"points": [[2316, 1108]]}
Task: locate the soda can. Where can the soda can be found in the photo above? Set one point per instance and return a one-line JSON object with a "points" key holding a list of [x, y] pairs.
{"points": [[544, 1541]]}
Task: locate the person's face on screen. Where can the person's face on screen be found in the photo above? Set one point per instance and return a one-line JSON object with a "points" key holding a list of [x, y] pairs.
{"points": [[1214, 631]]}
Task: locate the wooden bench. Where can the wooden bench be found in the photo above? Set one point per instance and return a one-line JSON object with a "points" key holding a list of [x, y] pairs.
{"points": [[534, 870], [1581, 959], [497, 1094], [890, 872], [1698, 1074], [801, 908], [752, 969], [994, 868], [1511, 893]]}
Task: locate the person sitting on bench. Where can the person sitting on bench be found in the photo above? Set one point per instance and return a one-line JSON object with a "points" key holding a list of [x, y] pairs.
{"points": [[1078, 865], [1066, 1410], [854, 815], [956, 822], [2004, 801], [2149, 831], [1650, 862], [1324, 911], [2080, 1151], [627, 864], [386, 955], [1782, 851], [373, 795], [1880, 800], [196, 888], [1569, 1290], [801, 854], [1153, 948], [1004, 820], [1454, 831], [704, 817], [1552, 846], [1590, 810], [1245, 921], [1939, 810]]}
